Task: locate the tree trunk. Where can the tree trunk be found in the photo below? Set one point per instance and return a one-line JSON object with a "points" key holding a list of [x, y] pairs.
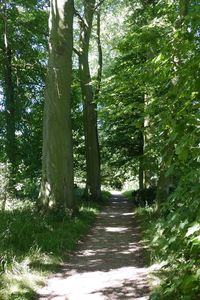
{"points": [[100, 55], [165, 182], [57, 161], [141, 169], [141, 174], [9, 101], [89, 106]]}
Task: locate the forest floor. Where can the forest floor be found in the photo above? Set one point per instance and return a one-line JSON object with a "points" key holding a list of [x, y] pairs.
{"points": [[108, 263]]}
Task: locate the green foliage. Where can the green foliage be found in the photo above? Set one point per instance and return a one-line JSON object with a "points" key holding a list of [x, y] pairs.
{"points": [[128, 194], [105, 196], [78, 132], [150, 90], [28, 45], [164, 37], [173, 237]]}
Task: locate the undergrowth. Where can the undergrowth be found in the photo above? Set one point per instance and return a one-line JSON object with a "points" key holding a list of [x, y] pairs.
{"points": [[128, 194], [33, 245], [173, 239], [105, 197]]}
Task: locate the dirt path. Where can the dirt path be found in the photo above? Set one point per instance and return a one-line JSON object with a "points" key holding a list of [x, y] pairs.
{"points": [[107, 265]]}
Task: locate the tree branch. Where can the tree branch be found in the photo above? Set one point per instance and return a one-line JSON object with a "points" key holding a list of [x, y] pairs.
{"points": [[98, 4], [76, 51], [76, 13]]}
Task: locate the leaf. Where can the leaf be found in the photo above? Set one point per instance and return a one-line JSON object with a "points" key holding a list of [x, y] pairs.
{"points": [[196, 241], [158, 58], [172, 239], [182, 151], [183, 224], [198, 273], [193, 229], [188, 283], [170, 170]]}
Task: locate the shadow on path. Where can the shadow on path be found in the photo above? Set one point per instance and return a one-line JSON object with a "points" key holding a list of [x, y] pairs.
{"points": [[108, 264]]}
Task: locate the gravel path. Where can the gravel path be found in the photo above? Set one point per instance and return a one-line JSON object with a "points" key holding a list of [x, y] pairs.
{"points": [[107, 265]]}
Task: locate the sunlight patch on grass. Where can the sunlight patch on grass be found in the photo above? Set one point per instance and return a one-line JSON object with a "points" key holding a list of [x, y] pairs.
{"points": [[128, 194], [21, 282]]}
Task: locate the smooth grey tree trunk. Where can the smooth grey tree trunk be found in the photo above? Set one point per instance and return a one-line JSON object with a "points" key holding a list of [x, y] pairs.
{"points": [[93, 186], [57, 161]]}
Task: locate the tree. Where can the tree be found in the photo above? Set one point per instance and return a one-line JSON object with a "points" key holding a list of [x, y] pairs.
{"points": [[10, 99], [23, 54], [89, 96], [57, 160]]}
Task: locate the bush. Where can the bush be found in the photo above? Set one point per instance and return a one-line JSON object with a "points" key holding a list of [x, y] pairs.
{"points": [[174, 237]]}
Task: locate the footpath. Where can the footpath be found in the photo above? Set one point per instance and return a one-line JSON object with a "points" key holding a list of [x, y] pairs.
{"points": [[108, 264]]}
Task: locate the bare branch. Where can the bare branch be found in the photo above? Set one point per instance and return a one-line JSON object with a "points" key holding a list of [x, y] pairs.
{"points": [[77, 14], [98, 4], [76, 51]]}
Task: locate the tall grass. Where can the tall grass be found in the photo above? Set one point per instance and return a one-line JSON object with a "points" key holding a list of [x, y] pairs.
{"points": [[32, 245]]}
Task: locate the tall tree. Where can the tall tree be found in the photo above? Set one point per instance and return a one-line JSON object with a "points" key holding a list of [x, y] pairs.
{"points": [[93, 185], [9, 91], [57, 164]]}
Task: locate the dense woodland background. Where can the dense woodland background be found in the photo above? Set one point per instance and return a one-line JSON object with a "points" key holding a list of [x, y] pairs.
{"points": [[133, 116]]}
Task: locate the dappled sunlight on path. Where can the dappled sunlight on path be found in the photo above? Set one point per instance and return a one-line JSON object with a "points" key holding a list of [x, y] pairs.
{"points": [[108, 264]]}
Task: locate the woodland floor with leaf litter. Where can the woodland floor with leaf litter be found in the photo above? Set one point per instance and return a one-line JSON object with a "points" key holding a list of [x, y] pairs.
{"points": [[108, 264]]}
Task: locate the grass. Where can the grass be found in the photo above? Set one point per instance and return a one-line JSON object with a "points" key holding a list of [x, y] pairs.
{"points": [[34, 245], [128, 194], [105, 197]]}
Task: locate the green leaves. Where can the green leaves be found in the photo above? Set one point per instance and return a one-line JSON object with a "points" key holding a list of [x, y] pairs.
{"points": [[27, 38], [193, 229]]}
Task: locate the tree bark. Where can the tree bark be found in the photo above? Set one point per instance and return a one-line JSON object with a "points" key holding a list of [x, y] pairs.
{"points": [[57, 161], [9, 99], [100, 55], [141, 173], [93, 186]]}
